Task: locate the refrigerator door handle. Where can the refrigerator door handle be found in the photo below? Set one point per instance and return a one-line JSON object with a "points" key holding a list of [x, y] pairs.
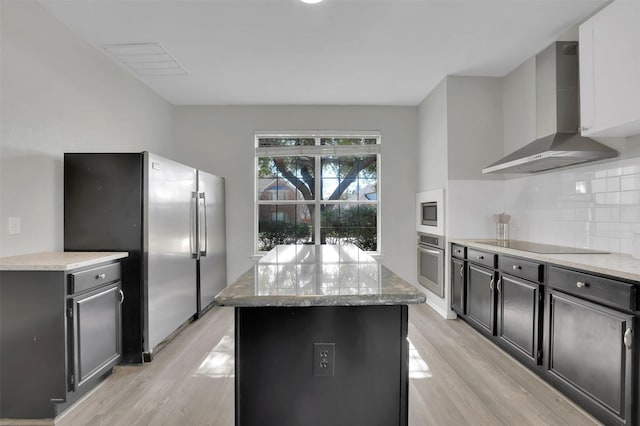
{"points": [[193, 235], [202, 228]]}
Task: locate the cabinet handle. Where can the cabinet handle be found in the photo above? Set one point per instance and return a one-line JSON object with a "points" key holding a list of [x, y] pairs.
{"points": [[499, 286], [491, 284], [458, 251], [517, 267], [580, 284], [101, 276], [121, 296], [628, 338], [479, 257], [462, 272]]}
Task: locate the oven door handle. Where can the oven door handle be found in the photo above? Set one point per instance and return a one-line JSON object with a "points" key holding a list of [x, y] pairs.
{"points": [[436, 252]]}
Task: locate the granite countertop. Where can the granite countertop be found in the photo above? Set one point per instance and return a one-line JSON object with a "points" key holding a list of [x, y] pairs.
{"points": [[613, 264], [57, 261], [322, 275]]}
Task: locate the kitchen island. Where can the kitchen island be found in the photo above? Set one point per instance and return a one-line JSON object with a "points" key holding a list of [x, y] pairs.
{"points": [[321, 338]]}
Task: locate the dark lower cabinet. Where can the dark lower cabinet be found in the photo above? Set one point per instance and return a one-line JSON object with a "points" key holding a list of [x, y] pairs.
{"points": [[458, 304], [518, 318], [94, 337], [480, 297], [60, 334], [573, 328], [590, 355]]}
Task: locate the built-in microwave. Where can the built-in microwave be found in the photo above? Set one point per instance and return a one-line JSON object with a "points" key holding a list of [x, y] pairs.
{"points": [[429, 213]]}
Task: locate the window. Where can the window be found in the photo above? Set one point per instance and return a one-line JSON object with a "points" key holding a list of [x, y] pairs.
{"points": [[317, 189]]}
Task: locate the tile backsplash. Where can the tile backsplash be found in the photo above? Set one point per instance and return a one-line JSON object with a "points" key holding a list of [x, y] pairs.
{"points": [[594, 206]]}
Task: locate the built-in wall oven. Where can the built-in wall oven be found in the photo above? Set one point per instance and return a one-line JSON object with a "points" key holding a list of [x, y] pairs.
{"points": [[431, 262]]}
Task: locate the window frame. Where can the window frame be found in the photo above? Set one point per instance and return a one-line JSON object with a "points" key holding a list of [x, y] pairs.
{"points": [[318, 151]]}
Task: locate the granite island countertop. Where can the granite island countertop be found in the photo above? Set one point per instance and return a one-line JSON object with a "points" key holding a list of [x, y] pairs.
{"points": [[57, 261], [321, 275], [617, 265]]}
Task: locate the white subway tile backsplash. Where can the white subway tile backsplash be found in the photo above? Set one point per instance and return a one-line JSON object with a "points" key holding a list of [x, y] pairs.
{"points": [[631, 169], [613, 184], [595, 206], [612, 198], [568, 214], [630, 214], [614, 172], [601, 214], [599, 185], [629, 183], [630, 197], [625, 245], [583, 214]]}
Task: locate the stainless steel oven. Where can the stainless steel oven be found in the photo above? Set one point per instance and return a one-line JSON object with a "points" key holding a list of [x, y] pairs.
{"points": [[431, 262]]}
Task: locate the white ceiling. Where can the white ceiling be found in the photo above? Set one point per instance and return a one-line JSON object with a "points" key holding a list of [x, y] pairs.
{"points": [[339, 52]]}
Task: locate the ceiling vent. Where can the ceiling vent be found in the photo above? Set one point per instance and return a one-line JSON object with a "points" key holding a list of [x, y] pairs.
{"points": [[145, 59]]}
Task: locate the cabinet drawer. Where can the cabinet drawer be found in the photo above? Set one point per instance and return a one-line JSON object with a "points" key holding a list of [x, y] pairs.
{"points": [[458, 251], [84, 280], [592, 287], [532, 271], [482, 257]]}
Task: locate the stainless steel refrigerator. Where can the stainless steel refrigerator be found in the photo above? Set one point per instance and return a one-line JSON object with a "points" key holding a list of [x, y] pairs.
{"points": [[169, 217]]}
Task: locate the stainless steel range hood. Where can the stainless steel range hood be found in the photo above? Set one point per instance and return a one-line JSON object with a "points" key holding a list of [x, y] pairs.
{"points": [[557, 118]]}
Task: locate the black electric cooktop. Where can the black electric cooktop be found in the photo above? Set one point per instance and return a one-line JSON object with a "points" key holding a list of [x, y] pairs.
{"points": [[541, 248]]}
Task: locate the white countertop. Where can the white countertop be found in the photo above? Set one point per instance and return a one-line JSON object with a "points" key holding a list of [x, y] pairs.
{"points": [[614, 264], [57, 261]]}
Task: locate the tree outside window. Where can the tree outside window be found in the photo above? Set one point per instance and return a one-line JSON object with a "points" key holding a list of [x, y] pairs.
{"points": [[320, 190]]}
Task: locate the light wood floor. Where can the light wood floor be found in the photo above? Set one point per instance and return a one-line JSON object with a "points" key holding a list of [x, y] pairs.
{"points": [[463, 380]]}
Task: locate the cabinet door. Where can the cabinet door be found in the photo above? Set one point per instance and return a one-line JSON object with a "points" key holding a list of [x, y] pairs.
{"points": [[518, 313], [96, 333], [610, 71], [590, 353], [457, 286], [480, 297]]}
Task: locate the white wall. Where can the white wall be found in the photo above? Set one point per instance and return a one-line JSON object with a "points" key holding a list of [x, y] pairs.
{"points": [[432, 140], [460, 124], [474, 127], [59, 94], [472, 206], [220, 140], [519, 107]]}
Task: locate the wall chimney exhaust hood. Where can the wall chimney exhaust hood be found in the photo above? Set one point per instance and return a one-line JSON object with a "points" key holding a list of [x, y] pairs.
{"points": [[557, 118]]}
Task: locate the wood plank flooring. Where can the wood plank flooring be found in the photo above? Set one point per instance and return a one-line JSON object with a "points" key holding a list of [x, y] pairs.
{"points": [[459, 378]]}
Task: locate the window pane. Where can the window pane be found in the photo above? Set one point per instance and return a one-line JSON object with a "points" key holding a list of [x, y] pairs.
{"points": [[350, 224], [286, 178], [284, 224], [347, 177], [262, 142], [345, 209], [348, 141], [368, 189]]}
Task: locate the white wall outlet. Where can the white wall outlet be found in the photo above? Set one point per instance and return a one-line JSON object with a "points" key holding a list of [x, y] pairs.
{"points": [[14, 225]]}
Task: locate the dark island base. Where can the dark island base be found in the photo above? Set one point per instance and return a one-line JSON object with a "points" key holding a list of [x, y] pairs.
{"points": [[282, 379]]}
